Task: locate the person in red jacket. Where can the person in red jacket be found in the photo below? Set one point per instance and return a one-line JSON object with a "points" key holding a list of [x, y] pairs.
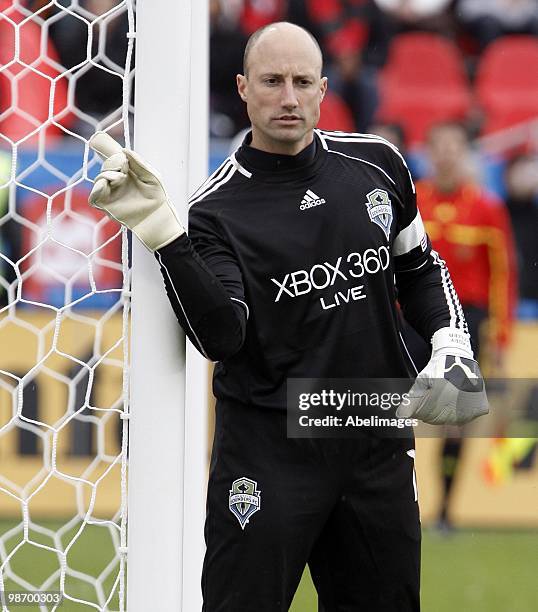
{"points": [[470, 229]]}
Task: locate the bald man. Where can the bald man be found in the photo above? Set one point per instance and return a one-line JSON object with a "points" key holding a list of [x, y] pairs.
{"points": [[299, 245], [282, 87]]}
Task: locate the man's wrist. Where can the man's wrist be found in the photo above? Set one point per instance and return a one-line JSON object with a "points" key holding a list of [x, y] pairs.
{"points": [[450, 340], [161, 227]]}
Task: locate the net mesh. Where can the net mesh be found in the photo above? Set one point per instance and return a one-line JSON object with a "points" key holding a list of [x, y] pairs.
{"points": [[66, 71]]}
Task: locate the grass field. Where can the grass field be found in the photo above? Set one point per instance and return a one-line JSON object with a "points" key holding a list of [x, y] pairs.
{"points": [[469, 571]]}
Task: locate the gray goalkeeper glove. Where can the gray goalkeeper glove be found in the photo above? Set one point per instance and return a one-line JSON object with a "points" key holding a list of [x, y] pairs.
{"points": [[128, 190], [450, 389]]}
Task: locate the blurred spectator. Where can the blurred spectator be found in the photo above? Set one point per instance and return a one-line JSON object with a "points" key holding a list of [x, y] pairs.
{"points": [[258, 13], [348, 32], [431, 15], [470, 229], [98, 92], [393, 132], [486, 20], [25, 94], [521, 178], [226, 46], [411, 11]]}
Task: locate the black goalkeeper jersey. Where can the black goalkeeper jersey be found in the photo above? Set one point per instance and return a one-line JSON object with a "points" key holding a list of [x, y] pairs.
{"points": [[294, 267]]}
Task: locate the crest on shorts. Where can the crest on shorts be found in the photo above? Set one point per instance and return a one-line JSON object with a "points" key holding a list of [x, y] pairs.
{"points": [[244, 499], [380, 209]]}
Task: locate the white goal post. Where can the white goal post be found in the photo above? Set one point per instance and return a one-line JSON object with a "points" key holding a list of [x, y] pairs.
{"points": [[168, 436]]}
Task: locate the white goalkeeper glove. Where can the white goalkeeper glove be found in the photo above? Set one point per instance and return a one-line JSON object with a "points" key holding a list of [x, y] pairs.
{"points": [[450, 389], [128, 190]]}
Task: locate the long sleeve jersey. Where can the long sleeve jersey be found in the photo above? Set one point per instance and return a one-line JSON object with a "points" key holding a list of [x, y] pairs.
{"points": [[294, 266], [470, 229]]}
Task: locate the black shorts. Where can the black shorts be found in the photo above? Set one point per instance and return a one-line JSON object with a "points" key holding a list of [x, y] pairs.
{"points": [[346, 507]]}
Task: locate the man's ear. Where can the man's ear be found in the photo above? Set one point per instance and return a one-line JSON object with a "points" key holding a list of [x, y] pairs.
{"points": [[323, 87], [242, 86]]}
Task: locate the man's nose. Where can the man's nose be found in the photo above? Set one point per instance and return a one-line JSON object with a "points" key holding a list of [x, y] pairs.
{"points": [[289, 97]]}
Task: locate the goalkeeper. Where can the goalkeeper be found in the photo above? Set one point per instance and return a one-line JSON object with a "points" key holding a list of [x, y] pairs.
{"points": [[294, 218]]}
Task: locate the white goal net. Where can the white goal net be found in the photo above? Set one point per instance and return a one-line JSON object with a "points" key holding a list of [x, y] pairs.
{"points": [[65, 72]]}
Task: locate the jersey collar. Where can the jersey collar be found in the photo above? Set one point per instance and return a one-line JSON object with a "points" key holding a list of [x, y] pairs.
{"points": [[274, 167]]}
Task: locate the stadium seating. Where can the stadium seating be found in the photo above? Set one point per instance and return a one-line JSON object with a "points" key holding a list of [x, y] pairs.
{"points": [[507, 82], [422, 83]]}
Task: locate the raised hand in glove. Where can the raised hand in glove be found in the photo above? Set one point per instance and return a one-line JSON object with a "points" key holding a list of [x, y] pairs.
{"points": [[450, 389], [128, 190]]}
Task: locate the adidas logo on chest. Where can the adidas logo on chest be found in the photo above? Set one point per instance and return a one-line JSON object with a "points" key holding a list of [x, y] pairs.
{"points": [[310, 199]]}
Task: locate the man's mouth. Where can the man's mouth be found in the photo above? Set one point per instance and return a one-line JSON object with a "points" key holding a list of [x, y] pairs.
{"points": [[288, 119]]}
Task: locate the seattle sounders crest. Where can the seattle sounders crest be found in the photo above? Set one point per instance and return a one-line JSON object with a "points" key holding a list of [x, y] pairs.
{"points": [[380, 209], [244, 499]]}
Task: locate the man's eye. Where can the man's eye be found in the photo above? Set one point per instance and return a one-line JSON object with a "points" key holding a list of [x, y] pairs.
{"points": [[271, 81]]}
